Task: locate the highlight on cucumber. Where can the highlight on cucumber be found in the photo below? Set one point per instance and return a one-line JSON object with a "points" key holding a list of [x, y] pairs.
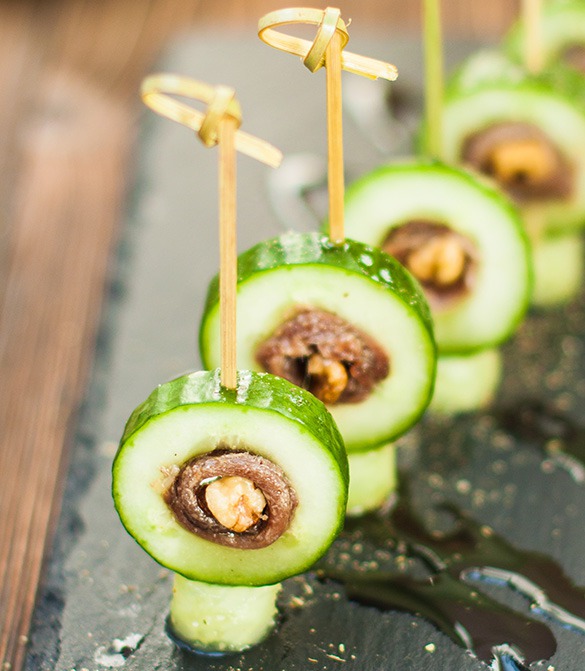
{"points": [[234, 491]]}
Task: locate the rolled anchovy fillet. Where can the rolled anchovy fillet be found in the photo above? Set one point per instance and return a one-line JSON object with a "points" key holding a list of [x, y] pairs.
{"points": [[232, 487], [345, 322], [525, 132], [460, 238], [466, 383], [562, 35]]}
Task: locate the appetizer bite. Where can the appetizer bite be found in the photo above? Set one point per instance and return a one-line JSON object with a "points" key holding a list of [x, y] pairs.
{"points": [[234, 480], [527, 132], [234, 490], [464, 242], [460, 238]]}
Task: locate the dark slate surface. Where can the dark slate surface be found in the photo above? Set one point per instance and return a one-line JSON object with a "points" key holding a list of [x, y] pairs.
{"points": [[104, 600]]}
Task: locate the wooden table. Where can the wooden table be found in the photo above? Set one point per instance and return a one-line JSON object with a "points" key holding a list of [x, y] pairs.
{"points": [[70, 71]]}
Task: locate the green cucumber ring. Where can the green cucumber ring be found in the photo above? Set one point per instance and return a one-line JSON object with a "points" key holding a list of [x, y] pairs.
{"points": [[366, 288], [490, 89], [391, 195], [193, 415]]}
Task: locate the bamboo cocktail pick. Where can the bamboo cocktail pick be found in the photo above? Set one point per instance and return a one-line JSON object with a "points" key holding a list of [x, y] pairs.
{"points": [[219, 125], [533, 51], [327, 49], [434, 86]]}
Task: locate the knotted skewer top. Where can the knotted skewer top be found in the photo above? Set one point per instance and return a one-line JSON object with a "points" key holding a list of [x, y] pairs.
{"points": [[158, 93], [313, 53], [326, 50], [218, 125]]}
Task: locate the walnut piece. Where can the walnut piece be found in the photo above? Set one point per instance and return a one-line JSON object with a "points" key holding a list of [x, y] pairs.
{"points": [[329, 378], [219, 469], [235, 502], [524, 159], [441, 260]]}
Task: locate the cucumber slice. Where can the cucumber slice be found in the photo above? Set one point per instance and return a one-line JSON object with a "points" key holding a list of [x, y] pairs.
{"points": [[562, 34], [281, 424], [546, 116], [353, 283], [220, 618], [498, 290], [373, 478], [466, 383], [558, 269]]}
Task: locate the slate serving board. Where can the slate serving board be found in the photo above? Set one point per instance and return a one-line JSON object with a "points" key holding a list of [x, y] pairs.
{"points": [[104, 601]]}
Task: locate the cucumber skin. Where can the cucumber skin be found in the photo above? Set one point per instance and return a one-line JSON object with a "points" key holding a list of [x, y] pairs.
{"points": [[478, 182], [264, 391], [294, 249]]}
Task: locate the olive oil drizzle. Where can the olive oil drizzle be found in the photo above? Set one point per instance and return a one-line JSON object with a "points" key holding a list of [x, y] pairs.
{"points": [[447, 598]]}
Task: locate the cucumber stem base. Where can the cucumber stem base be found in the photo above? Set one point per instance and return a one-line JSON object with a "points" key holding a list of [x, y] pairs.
{"points": [[372, 479], [221, 618], [466, 383], [558, 269]]}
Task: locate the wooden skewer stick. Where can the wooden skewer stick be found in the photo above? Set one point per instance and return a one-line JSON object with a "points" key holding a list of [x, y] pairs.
{"points": [[327, 49], [219, 125], [434, 73], [335, 140], [228, 258], [533, 52]]}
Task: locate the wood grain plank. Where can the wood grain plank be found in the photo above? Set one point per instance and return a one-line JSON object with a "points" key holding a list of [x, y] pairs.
{"points": [[69, 201], [74, 132]]}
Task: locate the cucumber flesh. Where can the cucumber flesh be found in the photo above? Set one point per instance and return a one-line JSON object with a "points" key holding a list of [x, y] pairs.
{"points": [[356, 283], [266, 416], [221, 618], [390, 196], [373, 479], [558, 269], [490, 90], [466, 383]]}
